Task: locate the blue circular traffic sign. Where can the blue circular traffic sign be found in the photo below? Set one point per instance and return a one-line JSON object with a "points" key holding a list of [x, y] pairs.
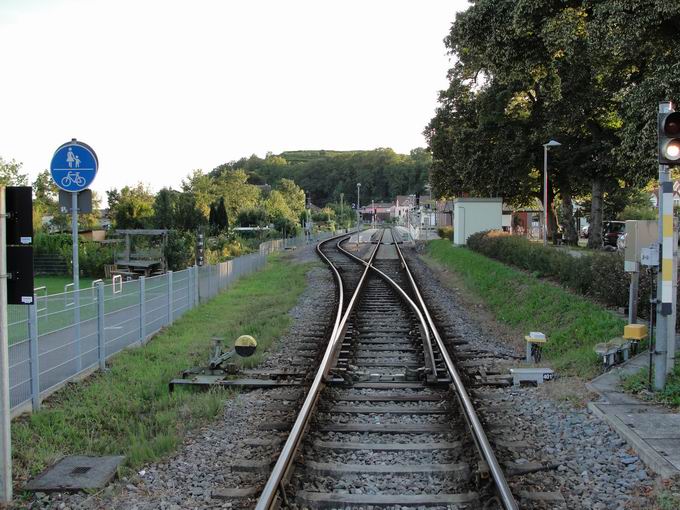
{"points": [[74, 166]]}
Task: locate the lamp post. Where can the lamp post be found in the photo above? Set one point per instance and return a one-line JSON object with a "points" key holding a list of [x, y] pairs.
{"points": [[546, 147], [358, 213], [342, 210]]}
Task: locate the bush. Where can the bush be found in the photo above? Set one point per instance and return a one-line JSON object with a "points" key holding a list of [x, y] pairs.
{"points": [[445, 232], [597, 275], [179, 250], [92, 256], [51, 244]]}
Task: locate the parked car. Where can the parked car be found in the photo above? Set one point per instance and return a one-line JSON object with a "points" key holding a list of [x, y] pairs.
{"points": [[611, 231]]}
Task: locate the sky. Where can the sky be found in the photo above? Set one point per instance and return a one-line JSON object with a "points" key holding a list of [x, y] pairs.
{"points": [[161, 87]]}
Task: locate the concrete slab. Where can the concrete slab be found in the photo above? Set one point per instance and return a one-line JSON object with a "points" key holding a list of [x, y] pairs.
{"points": [[652, 431], [668, 449], [76, 473], [653, 425]]}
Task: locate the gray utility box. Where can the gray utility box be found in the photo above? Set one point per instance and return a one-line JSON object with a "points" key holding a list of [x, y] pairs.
{"points": [[639, 234], [472, 215]]}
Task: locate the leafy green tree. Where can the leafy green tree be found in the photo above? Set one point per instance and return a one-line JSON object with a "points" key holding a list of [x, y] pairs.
{"points": [[255, 217], [132, 206], [526, 72], [221, 217], [188, 216], [293, 195], [10, 174], [165, 208]]}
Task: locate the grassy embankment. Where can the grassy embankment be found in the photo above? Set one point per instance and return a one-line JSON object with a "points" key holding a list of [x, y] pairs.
{"points": [[572, 323], [128, 409]]}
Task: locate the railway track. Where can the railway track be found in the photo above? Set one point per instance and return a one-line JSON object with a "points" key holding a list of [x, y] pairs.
{"points": [[387, 422]]}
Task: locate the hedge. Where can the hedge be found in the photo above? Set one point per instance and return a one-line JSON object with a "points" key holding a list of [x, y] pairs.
{"points": [[599, 276]]}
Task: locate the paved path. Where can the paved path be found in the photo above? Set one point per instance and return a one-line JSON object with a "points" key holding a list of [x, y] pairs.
{"points": [[651, 430]]}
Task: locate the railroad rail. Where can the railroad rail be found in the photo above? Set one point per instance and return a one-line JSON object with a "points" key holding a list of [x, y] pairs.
{"points": [[377, 427]]}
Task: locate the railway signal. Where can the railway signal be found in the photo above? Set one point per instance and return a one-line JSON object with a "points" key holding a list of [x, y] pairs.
{"points": [[669, 136]]}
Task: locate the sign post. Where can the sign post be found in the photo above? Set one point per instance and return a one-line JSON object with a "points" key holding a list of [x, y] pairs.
{"points": [[5, 441], [74, 167]]}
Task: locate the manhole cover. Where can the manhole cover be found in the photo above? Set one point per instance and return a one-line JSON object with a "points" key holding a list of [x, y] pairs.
{"points": [[75, 473]]}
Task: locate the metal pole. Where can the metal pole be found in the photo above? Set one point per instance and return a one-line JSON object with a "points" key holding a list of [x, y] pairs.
{"points": [[170, 297], [358, 213], [142, 309], [33, 353], [196, 284], [670, 357], [342, 210], [545, 195], [5, 439], [76, 279], [662, 321], [633, 297], [101, 327]]}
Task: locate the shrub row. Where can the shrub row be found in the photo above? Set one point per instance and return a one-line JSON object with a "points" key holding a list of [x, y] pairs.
{"points": [[445, 232], [599, 276]]}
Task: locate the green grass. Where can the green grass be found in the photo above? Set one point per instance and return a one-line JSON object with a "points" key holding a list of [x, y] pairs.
{"points": [[637, 383], [572, 324], [55, 284], [128, 410]]}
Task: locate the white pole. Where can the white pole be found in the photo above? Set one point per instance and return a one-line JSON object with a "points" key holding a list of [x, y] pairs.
{"points": [[545, 195], [5, 431]]}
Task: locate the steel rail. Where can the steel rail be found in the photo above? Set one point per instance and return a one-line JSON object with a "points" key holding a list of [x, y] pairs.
{"points": [[428, 340], [283, 464], [471, 415]]}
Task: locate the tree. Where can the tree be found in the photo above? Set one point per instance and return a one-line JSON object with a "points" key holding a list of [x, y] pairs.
{"points": [[527, 72], [45, 193], [188, 216], [221, 217], [255, 217], [165, 208], [132, 207], [10, 174], [293, 195]]}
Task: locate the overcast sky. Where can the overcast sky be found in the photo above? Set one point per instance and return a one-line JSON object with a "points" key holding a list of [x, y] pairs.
{"points": [[161, 87]]}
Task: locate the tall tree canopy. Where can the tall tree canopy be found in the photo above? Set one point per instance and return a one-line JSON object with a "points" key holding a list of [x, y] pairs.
{"points": [[527, 71]]}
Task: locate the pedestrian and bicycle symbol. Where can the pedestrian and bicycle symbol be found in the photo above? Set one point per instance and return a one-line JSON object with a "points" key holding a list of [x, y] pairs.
{"points": [[74, 166]]}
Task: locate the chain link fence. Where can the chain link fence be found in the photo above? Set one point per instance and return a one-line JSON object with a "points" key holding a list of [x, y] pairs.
{"points": [[48, 346]]}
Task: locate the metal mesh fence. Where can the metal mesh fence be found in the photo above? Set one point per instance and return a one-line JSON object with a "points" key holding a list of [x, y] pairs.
{"points": [[62, 336]]}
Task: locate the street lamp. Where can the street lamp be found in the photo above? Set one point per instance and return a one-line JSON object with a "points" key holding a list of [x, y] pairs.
{"points": [[546, 147], [358, 213]]}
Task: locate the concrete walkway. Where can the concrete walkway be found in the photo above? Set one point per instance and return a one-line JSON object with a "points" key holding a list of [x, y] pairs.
{"points": [[651, 430]]}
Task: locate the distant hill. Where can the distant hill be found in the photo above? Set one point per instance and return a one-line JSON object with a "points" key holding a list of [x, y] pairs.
{"points": [[311, 155]]}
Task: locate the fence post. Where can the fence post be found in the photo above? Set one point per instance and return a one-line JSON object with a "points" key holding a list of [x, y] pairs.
{"points": [[142, 309], [101, 331], [169, 297], [33, 353], [197, 277]]}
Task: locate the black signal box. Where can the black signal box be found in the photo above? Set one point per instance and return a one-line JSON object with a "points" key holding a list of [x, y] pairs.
{"points": [[19, 205], [19, 228], [20, 268]]}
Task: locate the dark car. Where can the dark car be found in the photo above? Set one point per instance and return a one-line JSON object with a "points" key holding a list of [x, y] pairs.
{"points": [[611, 231]]}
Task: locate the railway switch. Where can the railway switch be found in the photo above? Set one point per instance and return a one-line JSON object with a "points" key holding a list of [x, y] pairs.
{"points": [[220, 366]]}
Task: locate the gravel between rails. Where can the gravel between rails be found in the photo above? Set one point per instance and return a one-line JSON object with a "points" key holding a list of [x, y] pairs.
{"points": [[595, 469], [204, 462]]}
